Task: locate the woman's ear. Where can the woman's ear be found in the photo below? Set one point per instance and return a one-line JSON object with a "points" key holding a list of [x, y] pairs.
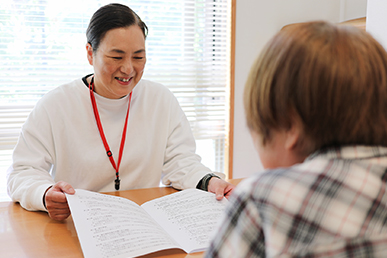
{"points": [[89, 50]]}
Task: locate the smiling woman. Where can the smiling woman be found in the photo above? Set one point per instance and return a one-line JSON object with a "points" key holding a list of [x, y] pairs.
{"points": [[145, 134], [186, 49]]}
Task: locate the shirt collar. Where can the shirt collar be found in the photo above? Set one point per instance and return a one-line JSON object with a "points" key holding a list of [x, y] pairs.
{"points": [[350, 152]]}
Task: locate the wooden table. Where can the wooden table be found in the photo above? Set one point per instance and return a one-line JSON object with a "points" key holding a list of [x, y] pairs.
{"points": [[359, 22], [34, 234]]}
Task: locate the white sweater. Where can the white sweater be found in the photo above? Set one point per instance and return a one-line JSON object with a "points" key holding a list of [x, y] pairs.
{"points": [[60, 142]]}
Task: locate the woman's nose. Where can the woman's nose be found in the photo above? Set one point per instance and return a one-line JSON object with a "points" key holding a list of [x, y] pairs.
{"points": [[127, 67]]}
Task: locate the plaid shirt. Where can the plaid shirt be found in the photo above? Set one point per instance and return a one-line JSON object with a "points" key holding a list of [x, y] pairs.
{"points": [[332, 205]]}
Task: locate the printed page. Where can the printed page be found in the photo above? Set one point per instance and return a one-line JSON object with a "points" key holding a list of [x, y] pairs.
{"points": [[111, 226], [190, 216]]}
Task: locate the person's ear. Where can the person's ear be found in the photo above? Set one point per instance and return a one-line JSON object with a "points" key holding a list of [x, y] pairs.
{"points": [[89, 50], [293, 135]]}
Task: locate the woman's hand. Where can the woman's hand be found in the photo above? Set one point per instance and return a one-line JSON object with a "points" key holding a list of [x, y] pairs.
{"points": [[56, 202], [220, 188]]}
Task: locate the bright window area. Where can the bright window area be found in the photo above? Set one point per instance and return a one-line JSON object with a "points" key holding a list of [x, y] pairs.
{"points": [[42, 45]]}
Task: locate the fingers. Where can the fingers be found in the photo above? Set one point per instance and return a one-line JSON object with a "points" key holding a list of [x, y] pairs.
{"points": [[228, 190], [220, 187], [56, 202], [58, 213], [219, 192], [64, 187]]}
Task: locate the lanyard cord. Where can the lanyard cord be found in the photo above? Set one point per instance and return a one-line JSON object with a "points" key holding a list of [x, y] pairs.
{"points": [[100, 129]]}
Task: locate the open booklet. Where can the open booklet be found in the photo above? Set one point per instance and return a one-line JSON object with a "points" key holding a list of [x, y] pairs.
{"points": [[111, 226]]}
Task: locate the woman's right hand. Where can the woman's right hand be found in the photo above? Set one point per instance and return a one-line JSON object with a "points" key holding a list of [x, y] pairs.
{"points": [[56, 202]]}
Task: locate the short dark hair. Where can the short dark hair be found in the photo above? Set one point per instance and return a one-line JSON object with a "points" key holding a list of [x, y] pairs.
{"points": [[332, 78], [108, 17]]}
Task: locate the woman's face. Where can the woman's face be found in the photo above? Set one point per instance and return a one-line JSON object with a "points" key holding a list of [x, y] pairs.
{"points": [[118, 62]]}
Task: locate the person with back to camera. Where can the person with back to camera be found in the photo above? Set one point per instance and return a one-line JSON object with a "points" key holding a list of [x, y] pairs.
{"points": [[315, 104], [109, 130]]}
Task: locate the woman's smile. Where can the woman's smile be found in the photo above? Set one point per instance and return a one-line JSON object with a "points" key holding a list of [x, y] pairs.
{"points": [[123, 79], [118, 62]]}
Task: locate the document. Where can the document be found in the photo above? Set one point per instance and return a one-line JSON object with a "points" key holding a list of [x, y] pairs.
{"points": [[111, 226]]}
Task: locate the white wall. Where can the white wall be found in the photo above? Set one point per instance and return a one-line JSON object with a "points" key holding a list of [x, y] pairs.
{"points": [[352, 9], [256, 22], [377, 20]]}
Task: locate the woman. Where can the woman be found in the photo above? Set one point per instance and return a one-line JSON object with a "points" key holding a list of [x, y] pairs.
{"points": [[110, 130]]}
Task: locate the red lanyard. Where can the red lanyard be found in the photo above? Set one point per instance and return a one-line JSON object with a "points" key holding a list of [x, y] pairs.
{"points": [[107, 148]]}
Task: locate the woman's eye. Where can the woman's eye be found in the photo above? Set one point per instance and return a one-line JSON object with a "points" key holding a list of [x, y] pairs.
{"points": [[138, 57], [117, 57]]}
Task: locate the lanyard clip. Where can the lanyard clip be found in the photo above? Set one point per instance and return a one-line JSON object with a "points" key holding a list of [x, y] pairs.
{"points": [[117, 184]]}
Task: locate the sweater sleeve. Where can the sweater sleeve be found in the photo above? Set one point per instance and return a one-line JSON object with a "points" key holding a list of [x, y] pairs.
{"points": [[182, 166], [29, 175]]}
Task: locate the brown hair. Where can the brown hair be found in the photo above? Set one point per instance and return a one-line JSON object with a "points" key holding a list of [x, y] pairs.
{"points": [[333, 79]]}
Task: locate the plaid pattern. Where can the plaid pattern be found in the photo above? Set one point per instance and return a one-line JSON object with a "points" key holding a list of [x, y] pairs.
{"points": [[332, 205]]}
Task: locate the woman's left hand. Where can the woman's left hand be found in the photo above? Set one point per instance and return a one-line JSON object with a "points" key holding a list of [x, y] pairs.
{"points": [[220, 188]]}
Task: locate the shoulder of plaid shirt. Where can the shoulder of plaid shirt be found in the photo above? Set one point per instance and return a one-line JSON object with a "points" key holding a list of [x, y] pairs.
{"points": [[333, 204]]}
